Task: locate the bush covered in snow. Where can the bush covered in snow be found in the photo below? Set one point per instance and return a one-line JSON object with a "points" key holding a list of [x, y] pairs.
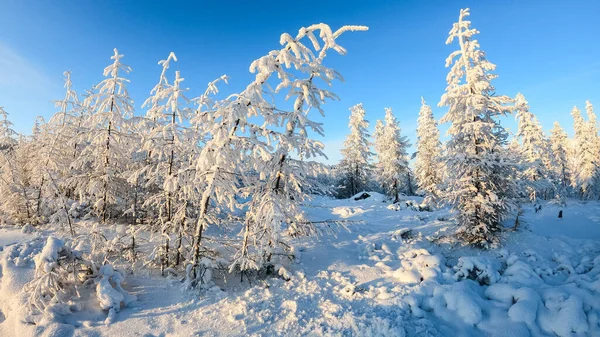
{"points": [[62, 278]]}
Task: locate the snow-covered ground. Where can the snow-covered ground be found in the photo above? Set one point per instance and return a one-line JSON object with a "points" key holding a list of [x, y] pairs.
{"points": [[395, 273]]}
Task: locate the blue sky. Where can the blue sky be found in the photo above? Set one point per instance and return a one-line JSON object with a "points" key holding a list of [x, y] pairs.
{"points": [[548, 50]]}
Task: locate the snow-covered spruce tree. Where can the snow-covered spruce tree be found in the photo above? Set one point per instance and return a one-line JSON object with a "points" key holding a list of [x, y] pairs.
{"points": [[22, 198], [479, 177], [7, 134], [274, 213], [18, 193], [219, 168], [427, 162], [65, 126], [105, 156], [57, 155], [534, 149], [8, 144], [585, 168], [594, 137], [37, 145], [392, 169], [166, 145], [561, 174], [355, 165]]}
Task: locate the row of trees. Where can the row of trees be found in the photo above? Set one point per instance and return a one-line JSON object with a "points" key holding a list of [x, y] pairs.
{"points": [[185, 164], [188, 164], [482, 175], [391, 172]]}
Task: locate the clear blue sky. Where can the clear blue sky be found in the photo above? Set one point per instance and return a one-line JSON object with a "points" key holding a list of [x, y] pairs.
{"points": [[548, 50]]}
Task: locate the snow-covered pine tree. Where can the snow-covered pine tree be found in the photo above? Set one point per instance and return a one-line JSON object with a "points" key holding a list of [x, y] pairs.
{"points": [[595, 149], [427, 162], [18, 192], [534, 149], [12, 196], [65, 125], [166, 145], [274, 212], [356, 165], [105, 156], [37, 145], [56, 156], [55, 153], [585, 168], [378, 143], [479, 178], [7, 134], [392, 170], [228, 137], [560, 164]]}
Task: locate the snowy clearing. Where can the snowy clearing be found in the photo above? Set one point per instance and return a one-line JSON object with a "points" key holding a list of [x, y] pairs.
{"points": [[393, 274]]}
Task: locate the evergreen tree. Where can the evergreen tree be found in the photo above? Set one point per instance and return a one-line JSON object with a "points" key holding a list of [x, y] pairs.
{"points": [[585, 168], [534, 147], [427, 163], [560, 163], [16, 185], [105, 158], [356, 162], [479, 177], [166, 144], [275, 214], [392, 169], [7, 134]]}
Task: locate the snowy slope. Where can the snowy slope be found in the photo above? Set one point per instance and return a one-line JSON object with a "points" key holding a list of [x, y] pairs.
{"points": [[395, 273]]}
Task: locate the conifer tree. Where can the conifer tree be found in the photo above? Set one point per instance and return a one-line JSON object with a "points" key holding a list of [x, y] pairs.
{"points": [[166, 145], [7, 134], [356, 154], [533, 148], [392, 170], [105, 156], [275, 214], [560, 163], [594, 139], [585, 167], [18, 192], [427, 163], [479, 178]]}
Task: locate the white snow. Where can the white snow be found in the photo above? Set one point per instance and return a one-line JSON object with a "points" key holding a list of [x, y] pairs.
{"points": [[395, 273]]}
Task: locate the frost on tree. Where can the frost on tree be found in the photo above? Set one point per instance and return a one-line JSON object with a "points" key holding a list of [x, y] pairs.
{"points": [[559, 146], [168, 144], [594, 139], [479, 176], [427, 162], [16, 186], [57, 155], [355, 166], [392, 170], [105, 157], [274, 213], [586, 173], [7, 134], [243, 158], [533, 149]]}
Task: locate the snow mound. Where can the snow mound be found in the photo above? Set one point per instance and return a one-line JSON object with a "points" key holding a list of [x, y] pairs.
{"points": [[110, 293], [419, 265], [484, 270]]}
